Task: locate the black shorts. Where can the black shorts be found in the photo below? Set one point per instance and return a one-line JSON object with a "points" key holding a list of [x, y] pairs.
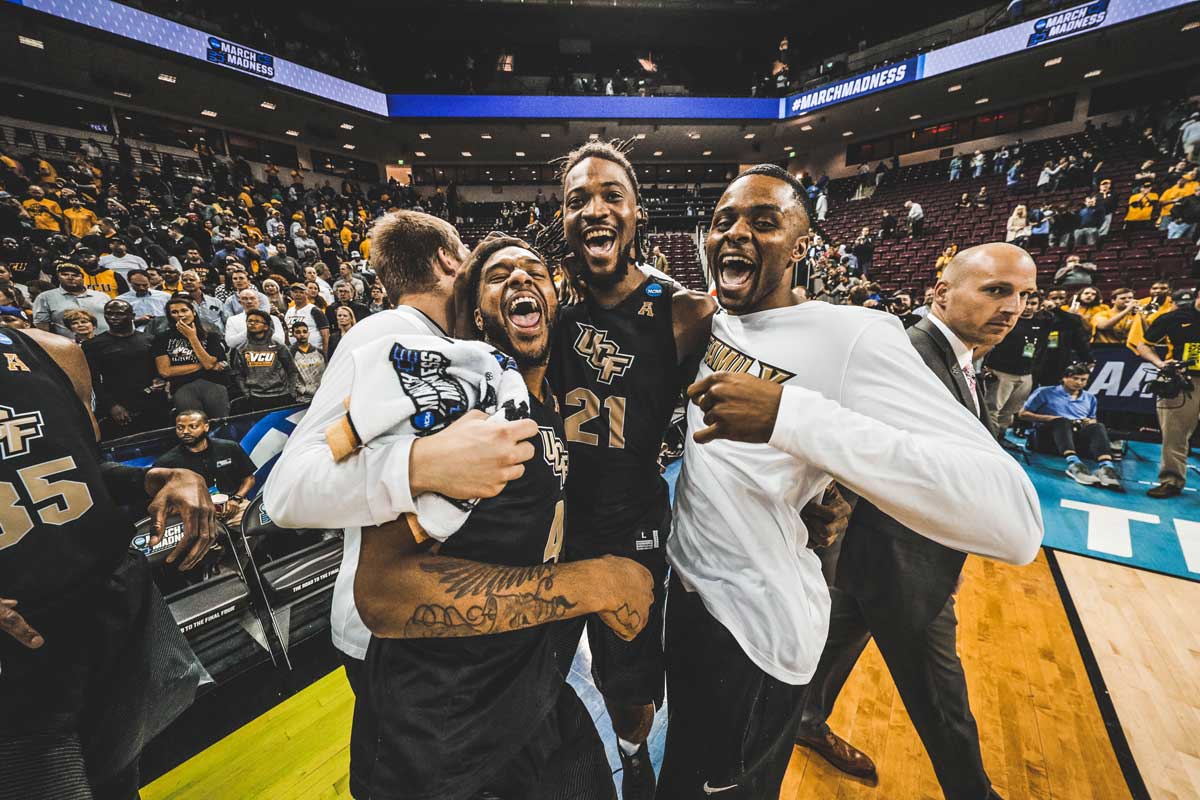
{"points": [[564, 759], [731, 726], [632, 673]]}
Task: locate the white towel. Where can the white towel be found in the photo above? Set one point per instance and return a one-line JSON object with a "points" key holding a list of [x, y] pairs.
{"points": [[413, 385]]}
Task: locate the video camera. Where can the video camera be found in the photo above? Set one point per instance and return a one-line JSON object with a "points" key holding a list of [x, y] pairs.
{"points": [[1170, 380]]}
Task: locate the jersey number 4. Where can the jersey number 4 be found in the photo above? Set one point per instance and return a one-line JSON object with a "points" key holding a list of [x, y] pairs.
{"points": [[615, 406], [69, 500]]}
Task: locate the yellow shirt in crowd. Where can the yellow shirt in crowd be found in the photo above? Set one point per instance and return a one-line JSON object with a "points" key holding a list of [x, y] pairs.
{"points": [[44, 214], [1171, 195], [80, 220]]}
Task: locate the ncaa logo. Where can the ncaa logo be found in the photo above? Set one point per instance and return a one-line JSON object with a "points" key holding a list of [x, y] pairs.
{"points": [[654, 290]]}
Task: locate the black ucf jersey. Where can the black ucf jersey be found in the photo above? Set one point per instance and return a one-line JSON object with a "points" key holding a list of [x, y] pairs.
{"points": [[62, 538], [617, 377], [453, 708]]}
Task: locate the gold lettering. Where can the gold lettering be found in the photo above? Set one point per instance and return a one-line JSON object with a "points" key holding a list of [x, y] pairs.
{"points": [[15, 364]]}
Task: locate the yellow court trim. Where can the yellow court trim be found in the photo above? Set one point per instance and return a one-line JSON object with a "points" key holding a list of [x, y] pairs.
{"points": [[298, 749]]}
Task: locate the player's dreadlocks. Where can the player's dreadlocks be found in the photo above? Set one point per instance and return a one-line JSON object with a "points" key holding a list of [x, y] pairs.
{"points": [[552, 241]]}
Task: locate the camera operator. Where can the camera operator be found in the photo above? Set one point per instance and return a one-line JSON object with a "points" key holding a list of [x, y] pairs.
{"points": [[901, 306], [1179, 330]]}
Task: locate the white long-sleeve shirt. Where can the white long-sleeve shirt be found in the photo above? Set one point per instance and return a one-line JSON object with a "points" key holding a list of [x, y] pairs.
{"points": [[859, 406], [307, 489]]}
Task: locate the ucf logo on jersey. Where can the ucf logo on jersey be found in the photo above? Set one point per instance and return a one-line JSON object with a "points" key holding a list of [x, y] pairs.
{"points": [[603, 354], [17, 431], [555, 454]]}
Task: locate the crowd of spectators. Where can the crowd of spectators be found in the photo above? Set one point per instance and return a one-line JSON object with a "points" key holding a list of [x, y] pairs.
{"points": [[224, 295]]}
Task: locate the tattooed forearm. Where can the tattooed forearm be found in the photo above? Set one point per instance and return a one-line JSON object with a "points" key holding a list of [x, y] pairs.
{"points": [[463, 578], [488, 611]]}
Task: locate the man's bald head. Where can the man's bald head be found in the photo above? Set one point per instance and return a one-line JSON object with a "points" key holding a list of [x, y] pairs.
{"points": [[983, 290]]}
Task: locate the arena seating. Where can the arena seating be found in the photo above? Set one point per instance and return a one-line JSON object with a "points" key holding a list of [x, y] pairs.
{"points": [[683, 258], [1123, 258]]}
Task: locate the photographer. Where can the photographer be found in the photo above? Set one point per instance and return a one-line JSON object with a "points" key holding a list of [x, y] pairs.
{"points": [[901, 305], [1179, 331], [1064, 420]]}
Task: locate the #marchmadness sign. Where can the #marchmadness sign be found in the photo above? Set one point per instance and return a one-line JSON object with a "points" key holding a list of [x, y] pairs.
{"points": [[236, 56]]}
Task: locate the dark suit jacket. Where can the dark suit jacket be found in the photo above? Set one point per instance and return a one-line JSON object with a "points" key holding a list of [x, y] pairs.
{"points": [[901, 578]]}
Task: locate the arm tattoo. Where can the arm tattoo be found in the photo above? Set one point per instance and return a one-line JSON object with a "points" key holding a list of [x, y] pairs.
{"points": [[466, 577], [502, 599]]}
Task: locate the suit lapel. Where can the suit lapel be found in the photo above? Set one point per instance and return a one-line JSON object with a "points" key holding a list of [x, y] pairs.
{"points": [[956, 373]]}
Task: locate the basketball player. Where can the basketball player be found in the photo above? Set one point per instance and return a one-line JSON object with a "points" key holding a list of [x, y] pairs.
{"points": [[418, 258], [464, 674], [618, 369], [790, 395], [79, 603]]}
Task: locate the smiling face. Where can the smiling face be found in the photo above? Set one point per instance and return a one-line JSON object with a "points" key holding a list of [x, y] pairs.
{"points": [[759, 230], [516, 305], [600, 216]]}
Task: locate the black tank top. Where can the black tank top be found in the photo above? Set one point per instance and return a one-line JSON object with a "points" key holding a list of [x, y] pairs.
{"points": [[617, 377], [463, 705], [61, 536]]}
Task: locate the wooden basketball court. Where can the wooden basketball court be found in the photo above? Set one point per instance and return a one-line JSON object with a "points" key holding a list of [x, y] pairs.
{"points": [[1042, 728]]}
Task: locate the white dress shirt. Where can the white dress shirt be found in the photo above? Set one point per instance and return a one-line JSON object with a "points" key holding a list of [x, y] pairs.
{"points": [[235, 330], [963, 354], [307, 489], [859, 406]]}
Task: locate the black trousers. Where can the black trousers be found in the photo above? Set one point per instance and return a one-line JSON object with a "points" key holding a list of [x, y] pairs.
{"points": [[1089, 441], [730, 726], [929, 676]]}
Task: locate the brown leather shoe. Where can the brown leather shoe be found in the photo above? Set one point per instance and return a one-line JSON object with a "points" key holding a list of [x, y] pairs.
{"points": [[1164, 490], [841, 754]]}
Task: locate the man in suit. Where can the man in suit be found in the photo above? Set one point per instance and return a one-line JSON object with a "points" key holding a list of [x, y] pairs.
{"points": [[898, 586]]}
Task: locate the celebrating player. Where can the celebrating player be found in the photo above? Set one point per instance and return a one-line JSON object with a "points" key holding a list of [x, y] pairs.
{"points": [[465, 673], [618, 371], [817, 391]]}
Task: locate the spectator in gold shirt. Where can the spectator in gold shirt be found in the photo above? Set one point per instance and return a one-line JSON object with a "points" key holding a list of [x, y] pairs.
{"points": [[1112, 325], [1141, 206], [80, 219], [47, 214]]}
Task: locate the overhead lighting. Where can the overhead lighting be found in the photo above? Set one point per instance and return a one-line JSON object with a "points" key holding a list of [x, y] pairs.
{"points": [[639, 136], [485, 136], [126, 95], [593, 136], [545, 136], [425, 135], [694, 135], [806, 127], [466, 153], [1096, 73], [165, 78], [291, 132], [347, 146], [914, 116], [749, 136], [207, 113], [1191, 26], [520, 154], [419, 154], [346, 126], [955, 88], [658, 152], [847, 133], [982, 100], [1053, 62], [707, 153], [29, 41], [267, 104]]}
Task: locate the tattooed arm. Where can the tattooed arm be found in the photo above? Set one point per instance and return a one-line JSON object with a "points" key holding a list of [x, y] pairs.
{"points": [[404, 590]]}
